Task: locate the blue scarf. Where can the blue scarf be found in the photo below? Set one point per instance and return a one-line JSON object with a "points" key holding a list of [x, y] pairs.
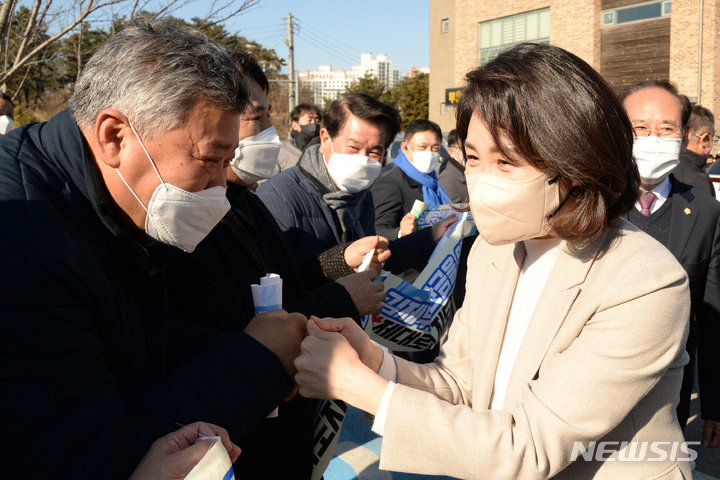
{"points": [[433, 192]]}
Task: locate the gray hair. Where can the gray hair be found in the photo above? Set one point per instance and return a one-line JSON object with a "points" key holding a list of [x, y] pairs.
{"points": [[155, 72], [701, 118]]}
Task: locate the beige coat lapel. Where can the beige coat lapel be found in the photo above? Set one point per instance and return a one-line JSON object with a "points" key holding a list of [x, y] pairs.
{"points": [[558, 296], [500, 278]]}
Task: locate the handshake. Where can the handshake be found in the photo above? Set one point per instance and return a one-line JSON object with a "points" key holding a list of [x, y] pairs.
{"points": [[326, 357]]}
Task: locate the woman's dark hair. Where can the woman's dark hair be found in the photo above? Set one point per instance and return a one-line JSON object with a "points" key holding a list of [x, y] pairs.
{"points": [[561, 117], [685, 105], [248, 66], [365, 108]]}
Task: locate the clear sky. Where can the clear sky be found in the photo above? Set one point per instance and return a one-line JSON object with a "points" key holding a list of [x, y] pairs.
{"points": [[336, 32]]}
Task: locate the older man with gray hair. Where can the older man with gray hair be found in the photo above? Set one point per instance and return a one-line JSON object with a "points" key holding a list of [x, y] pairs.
{"points": [[92, 202]]}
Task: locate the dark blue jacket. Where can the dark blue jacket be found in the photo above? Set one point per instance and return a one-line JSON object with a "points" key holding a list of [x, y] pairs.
{"points": [[312, 226], [92, 368]]}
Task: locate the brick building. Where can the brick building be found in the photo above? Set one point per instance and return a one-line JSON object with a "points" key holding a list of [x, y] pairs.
{"points": [[625, 40]]}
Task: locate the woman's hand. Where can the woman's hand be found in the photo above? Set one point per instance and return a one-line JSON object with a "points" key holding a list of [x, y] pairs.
{"points": [[330, 368], [370, 354], [174, 455]]}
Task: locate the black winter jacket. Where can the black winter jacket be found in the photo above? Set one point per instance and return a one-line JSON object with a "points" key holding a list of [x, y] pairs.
{"points": [[93, 369], [690, 171]]}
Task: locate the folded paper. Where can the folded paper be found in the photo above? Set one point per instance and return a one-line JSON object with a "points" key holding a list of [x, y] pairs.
{"points": [[215, 465]]}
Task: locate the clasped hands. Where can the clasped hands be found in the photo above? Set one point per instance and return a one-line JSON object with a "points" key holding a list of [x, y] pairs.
{"points": [[328, 358], [339, 362]]}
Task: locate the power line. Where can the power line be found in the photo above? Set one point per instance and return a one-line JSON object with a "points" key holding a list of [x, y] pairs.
{"points": [[344, 57], [334, 40]]}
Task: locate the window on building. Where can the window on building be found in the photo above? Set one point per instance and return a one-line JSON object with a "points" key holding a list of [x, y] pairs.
{"points": [[636, 13], [443, 109], [445, 25], [502, 33]]}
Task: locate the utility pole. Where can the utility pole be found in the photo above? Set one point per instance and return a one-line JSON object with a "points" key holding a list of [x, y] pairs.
{"points": [[291, 63]]}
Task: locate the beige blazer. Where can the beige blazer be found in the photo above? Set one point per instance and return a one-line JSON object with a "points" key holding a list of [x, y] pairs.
{"points": [[601, 361]]}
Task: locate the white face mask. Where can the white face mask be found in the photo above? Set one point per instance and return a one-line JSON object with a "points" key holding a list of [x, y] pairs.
{"points": [[177, 217], [507, 211], [352, 173], [425, 161], [256, 157], [656, 158], [6, 124]]}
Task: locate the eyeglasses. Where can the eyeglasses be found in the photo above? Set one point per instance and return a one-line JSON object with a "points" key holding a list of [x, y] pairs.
{"points": [[714, 139], [665, 133]]}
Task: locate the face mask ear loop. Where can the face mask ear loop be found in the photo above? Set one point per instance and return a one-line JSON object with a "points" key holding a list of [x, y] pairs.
{"points": [[131, 190], [148, 155], [332, 151]]}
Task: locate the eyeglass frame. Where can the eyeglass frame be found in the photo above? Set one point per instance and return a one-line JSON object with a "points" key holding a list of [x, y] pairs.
{"points": [[650, 131]]}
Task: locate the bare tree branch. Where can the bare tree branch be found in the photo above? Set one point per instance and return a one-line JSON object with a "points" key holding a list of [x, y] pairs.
{"points": [[6, 11], [244, 6], [66, 18], [29, 29]]}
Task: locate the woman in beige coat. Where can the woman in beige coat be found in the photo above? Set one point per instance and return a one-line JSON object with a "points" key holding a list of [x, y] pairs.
{"points": [[565, 360]]}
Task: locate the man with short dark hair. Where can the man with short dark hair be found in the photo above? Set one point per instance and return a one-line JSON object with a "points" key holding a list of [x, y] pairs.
{"points": [[325, 200], [92, 203], [694, 158], [410, 177], [452, 172], [687, 221], [7, 113]]}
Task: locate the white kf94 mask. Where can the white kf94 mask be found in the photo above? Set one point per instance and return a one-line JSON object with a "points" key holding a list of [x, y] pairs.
{"points": [[177, 217], [352, 173], [256, 157]]}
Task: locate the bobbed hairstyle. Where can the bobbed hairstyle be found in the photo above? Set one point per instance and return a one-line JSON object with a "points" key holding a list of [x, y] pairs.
{"points": [[155, 72], [559, 115], [365, 108]]}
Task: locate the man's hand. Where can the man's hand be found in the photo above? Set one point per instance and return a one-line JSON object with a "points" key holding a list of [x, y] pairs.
{"points": [[439, 229], [281, 333], [356, 251], [174, 455], [407, 224], [370, 354], [711, 434], [365, 293]]}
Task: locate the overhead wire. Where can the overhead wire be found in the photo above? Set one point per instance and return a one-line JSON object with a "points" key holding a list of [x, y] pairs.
{"points": [[344, 54], [342, 57]]}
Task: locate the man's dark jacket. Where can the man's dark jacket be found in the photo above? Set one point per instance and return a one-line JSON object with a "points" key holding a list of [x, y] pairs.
{"points": [[394, 194], [694, 239], [211, 287], [312, 226], [451, 176], [93, 367], [690, 171]]}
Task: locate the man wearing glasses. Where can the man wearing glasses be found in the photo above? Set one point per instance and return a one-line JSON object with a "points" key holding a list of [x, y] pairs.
{"points": [[685, 220], [702, 139]]}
